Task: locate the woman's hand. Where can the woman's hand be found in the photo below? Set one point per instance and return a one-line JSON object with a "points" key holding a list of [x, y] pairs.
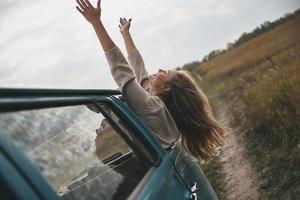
{"points": [[90, 13], [124, 25], [124, 29]]}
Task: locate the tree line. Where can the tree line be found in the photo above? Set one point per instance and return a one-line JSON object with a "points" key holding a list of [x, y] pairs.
{"points": [[245, 37]]}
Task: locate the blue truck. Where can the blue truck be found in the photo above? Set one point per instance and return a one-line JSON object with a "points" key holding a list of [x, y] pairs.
{"points": [[87, 144]]}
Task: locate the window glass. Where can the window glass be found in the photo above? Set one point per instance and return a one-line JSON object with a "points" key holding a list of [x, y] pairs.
{"points": [[149, 152], [77, 151]]}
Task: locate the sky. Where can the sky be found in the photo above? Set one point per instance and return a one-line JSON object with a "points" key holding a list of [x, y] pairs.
{"points": [[48, 44]]}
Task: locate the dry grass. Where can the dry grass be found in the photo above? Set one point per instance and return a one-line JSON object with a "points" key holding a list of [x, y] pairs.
{"points": [[259, 82], [253, 52]]}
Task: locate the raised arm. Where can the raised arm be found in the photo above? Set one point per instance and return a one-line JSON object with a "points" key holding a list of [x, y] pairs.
{"points": [[92, 15], [136, 97], [134, 57], [124, 29]]}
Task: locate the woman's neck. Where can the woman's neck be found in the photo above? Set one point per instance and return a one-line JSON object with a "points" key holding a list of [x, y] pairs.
{"points": [[152, 91]]}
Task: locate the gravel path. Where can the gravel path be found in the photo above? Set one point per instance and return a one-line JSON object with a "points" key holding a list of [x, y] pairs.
{"points": [[240, 178]]}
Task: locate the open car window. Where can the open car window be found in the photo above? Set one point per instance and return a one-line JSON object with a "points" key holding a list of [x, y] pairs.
{"points": [[78, 161]]}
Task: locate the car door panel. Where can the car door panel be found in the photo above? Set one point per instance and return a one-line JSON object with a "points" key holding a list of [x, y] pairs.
{"points": [[164, 184], [192, 173], [20, 176]]}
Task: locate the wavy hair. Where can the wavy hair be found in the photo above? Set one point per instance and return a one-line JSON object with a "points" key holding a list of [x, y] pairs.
{"points": [[201, 134]]}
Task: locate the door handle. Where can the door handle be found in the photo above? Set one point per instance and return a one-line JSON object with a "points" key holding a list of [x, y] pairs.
{"points": [[193, 191]]}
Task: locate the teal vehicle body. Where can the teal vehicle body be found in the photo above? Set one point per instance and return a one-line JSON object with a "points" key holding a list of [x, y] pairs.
{"points": [[169, 173]]}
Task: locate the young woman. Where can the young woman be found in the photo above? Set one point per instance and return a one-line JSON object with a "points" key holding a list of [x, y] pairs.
{"points": [[169, 102]]}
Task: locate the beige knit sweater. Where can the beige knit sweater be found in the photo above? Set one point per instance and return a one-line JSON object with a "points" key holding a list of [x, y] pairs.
{"points": [[134, 84]]}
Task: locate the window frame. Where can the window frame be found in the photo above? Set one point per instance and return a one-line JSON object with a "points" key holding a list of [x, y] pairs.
{"points": [[14, 100], [111, 104], [143, 132]]}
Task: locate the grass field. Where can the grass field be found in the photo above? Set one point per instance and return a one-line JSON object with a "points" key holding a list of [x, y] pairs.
{"points": [[259, 84]]}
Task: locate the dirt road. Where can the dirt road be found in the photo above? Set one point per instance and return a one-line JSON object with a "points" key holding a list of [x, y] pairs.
{"points": [[240, 178]]}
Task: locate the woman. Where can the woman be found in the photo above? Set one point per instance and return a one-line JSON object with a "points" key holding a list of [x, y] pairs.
{"points": [[169, 102]]}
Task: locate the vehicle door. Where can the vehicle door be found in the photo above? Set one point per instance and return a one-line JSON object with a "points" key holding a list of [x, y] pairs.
{"points": [[78, 163], [192, 174], [162, 181]]}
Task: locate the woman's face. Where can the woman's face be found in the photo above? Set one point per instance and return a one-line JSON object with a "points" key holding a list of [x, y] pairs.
{"points": [[161, 79]]}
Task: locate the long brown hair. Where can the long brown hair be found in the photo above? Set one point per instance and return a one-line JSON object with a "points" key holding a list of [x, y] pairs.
{"points": [[201, 134]]}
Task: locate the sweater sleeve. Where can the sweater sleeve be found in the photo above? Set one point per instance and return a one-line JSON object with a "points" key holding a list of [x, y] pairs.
{"points": [[134, 94], [137, 63]]}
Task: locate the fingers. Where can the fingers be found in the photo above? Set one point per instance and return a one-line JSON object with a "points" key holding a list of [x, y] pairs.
{"points": [[83, 8], [84, 4], [129, 21], [122, 21], [87, 2], [80, 10], [98, 4]]}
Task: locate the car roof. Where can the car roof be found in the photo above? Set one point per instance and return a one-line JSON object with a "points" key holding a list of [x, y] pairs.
{"points": [[13, 99], [48, 91]]}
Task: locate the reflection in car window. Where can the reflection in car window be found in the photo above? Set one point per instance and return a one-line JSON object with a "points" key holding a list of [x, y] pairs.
{"points": [[148, 152], [76, 150]]}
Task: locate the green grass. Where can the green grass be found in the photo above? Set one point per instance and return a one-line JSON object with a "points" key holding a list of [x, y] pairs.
{"points": [[262, 95], [264, 103], [269, 107], [212, 171]]}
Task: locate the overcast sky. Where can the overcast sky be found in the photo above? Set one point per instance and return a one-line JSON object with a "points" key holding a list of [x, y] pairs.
{"points": [[47, 43]]}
